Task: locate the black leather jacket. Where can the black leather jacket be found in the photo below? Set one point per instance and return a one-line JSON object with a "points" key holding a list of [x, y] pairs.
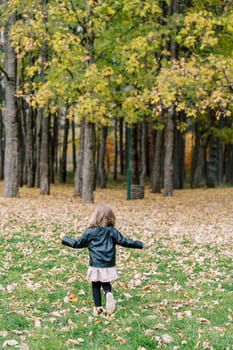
{"points": [[101, 243]]}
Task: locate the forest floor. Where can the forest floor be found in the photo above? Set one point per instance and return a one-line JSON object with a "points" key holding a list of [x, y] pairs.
{"points": [[176, 293]]}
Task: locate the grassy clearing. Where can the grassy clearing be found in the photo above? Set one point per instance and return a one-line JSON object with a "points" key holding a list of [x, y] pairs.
{"points": [[175, 294]]}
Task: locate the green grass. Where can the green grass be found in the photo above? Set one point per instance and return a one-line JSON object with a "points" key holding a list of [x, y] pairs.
{"points": [[168, 296]]}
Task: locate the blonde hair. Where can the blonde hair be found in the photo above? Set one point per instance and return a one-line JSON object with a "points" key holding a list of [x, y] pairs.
{"points": [[102, 216]]}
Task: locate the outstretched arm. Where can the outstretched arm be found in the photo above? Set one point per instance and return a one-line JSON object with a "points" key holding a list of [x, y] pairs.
{"points": [[80, 242], [126, 242], [68, 241]]}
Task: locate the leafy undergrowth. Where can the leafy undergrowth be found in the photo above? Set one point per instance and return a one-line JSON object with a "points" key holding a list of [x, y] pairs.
{"points": [[177, 293]]}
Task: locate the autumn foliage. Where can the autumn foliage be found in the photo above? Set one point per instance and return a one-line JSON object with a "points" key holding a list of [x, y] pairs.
{"points": [[162, 67]]}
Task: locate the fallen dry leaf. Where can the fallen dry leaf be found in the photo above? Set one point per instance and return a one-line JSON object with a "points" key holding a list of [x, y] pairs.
{"points": [[12, 287], [37, 322], [127, 295], [3, 334], [119, 339], [166, 338], [75, 341], [203, 320], [160, 326], [72, 325], [10, 342], [70, 298]]}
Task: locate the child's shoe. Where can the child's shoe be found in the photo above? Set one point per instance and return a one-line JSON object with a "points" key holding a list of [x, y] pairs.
{"points": [[110, 303], [97, 310]]}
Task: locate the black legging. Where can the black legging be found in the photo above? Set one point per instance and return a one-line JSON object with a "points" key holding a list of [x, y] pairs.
{"points": [[96, 291]]}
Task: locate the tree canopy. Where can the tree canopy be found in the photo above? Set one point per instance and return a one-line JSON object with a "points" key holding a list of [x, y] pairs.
{"points": [[105, 59], [130, 55]]}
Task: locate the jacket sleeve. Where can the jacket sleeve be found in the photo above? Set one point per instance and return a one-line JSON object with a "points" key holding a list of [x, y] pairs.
{"points": [[80, 242], [68, 241], [126, 242]]}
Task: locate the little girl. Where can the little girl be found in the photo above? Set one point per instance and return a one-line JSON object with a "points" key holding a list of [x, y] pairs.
{"points": [[101, 238]]}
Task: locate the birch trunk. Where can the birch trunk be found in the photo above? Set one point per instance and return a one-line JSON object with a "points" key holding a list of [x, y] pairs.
{"points": [[11, 123], [79, 165], [2, 136], [88, 173], [44, 150]]}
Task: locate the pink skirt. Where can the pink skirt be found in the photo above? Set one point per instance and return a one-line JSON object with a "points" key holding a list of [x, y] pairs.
{"points": [[102, 274]]}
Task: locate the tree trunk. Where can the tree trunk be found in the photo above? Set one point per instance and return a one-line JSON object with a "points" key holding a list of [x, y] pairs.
{"points": [[121, 147], [229, 164], [45, 122], [134, 155], [88, 173], [44, 156], [143, 153], [38, 145], [220, 152], [89, 170], [22, 142], [115, 150], [79, 166], [73, 144], [169, 139], [150, 154], [179, 156], [220, 163], [197, 160], [30, 148], [157, 162], [11, 161], [30, 135], [63, 161], [211, 163], [54, 147], [2, 136], [168, 161], [101, 171]]}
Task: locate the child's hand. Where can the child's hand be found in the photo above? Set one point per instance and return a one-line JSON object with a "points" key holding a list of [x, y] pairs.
{"points": [[62, 235]]}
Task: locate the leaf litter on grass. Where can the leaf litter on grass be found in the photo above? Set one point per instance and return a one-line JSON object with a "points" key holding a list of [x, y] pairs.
{"points": [[176, 291]]}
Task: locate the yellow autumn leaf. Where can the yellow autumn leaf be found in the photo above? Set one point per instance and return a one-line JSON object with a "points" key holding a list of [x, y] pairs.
{"points": [[70, 298]]}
